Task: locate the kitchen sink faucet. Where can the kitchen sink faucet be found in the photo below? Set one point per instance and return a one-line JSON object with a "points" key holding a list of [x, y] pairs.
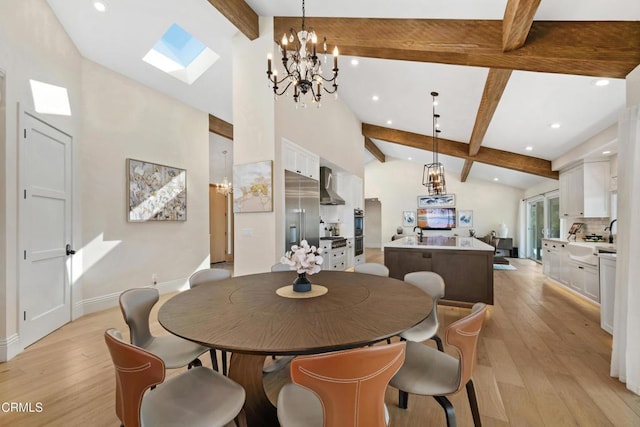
{"points": [[419, 233], [610, 230]]}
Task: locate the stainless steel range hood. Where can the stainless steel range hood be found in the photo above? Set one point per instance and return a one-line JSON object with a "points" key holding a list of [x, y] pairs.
{"points": [[328, 196]]}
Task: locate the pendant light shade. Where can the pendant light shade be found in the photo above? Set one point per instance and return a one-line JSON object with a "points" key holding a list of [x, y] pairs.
{"points": [[433, 173]]}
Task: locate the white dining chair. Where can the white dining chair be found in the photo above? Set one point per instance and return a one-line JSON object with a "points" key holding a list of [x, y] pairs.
{"points": [[372, 268], [433, 284]]}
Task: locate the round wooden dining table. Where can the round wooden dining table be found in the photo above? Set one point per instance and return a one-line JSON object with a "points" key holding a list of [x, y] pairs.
{"points": [[245, 316]]}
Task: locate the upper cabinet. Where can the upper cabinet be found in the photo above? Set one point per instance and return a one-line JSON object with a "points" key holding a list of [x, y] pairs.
{"points": [[584, 191], [301, 161]]}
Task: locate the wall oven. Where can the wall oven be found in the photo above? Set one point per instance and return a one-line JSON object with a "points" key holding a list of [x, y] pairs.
{"points": [[358, 231]]}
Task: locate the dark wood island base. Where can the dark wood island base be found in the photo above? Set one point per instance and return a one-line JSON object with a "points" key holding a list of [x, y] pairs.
{"points": [[465, 265]]}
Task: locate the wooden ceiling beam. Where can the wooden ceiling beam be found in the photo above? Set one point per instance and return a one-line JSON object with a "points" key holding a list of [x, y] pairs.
{"points": [[374, 150], [240, 15], [220, 127], [579, 48], [466, 168], [490, 156], [517, 21]]}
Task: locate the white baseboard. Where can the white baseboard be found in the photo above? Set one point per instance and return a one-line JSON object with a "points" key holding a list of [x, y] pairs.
{"points": [[10, 347], [103, 302]]}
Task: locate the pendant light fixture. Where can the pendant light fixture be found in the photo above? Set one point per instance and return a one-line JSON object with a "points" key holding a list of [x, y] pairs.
{"points": [[225, 187], [302, 67], [433, 174]]}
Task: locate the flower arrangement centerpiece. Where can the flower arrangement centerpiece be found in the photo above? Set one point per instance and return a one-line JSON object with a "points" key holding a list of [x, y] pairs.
{"points": [[306, 260]]}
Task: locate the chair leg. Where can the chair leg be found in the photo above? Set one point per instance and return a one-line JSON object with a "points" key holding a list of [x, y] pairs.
{"points": [[403, 399], [388, 340], [438, 342], [224, 362], [241, 419], [473, 402], [214, 359], [194, 363], [449, 412]]}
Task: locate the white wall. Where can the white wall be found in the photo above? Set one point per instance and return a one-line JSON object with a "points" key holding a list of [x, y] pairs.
{"points": [[123, 119], [398, 183], [544, 187], [113, 118]]}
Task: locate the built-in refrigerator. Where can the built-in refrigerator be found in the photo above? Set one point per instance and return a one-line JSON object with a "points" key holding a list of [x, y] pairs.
{"points": [[302, 207]]}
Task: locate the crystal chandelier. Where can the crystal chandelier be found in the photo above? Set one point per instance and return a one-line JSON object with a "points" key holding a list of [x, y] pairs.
{"points": [[225, 187], [433, 174], [302, 68]]}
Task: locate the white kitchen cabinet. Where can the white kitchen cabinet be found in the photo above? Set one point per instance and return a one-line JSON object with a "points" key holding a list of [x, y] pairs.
{"points": [[584, 191], [607, 290], [301, 161], [555, 260], [583, 278], [350, 253]]}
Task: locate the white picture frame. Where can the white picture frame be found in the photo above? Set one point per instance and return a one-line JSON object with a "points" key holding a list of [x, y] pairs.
{"points": [[408, 218], [436, 201], [465, 218]]}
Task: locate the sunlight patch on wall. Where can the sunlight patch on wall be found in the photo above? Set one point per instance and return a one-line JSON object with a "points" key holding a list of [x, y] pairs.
{"points": [[50, 99]]}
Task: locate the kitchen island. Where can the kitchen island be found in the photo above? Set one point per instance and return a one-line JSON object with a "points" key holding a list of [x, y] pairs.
{"points": [[465, 264]]}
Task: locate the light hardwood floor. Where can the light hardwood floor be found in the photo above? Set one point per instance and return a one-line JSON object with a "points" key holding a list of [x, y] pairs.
{"points": [[542, 361]]}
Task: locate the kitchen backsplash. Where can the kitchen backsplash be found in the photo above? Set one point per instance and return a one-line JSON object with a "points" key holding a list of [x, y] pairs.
{"points": [[593, 226]]}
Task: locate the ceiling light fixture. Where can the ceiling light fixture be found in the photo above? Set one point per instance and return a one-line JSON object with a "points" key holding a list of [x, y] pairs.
{"points": [[554, 125], [496, 179], [375, 97], [528, 148], [302, 68], [225, 187], [354, 62], [602, 82], [389, 122], [606, 152], [100, 6], [408, 158], [433, 174]]}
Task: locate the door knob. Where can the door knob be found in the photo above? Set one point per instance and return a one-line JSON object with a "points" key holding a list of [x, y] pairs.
{"points": [[69, 250]]}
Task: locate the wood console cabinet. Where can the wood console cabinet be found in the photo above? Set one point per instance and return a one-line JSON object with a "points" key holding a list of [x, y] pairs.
{"points": [[467, 274]]}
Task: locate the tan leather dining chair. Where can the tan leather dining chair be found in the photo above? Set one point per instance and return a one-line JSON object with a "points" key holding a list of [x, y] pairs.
{"points": [[344, 388], [372, 268], [433, 284], [196, 397], [175, 352], [429, 372], [211, 275]]}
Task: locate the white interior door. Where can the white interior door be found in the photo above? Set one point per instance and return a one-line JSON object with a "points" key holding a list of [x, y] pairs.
{"points": [[45, 229]]}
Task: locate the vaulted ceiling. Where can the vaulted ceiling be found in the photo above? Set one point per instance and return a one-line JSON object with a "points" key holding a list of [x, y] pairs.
{"points": [[505, 70]]}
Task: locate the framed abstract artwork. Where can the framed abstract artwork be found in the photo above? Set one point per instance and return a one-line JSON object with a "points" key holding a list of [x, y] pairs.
{"points": [[409, 218], [465, 218], [433, 201], [155, 192], [253, 187]]}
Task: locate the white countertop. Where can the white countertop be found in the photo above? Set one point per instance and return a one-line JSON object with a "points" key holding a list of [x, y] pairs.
{"points": [[440, 242]]}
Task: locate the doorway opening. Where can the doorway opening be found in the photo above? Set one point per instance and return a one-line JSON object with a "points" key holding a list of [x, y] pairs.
{"points": [[543, 221], [373, 223]]}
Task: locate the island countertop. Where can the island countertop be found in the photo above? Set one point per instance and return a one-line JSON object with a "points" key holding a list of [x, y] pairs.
{"points": [[440, 242]]}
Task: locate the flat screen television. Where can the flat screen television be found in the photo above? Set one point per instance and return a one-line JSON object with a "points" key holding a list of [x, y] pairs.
{"points": [[437, 218]]}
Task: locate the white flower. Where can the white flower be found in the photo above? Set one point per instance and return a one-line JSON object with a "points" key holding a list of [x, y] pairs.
{"points": [[304, 258]]}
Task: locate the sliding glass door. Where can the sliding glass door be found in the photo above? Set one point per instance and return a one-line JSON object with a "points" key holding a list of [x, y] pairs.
{"points": [[543, 221]]}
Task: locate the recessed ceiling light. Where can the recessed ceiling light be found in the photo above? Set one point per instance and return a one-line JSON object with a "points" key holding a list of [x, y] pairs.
{"points": [[529, 148], [354, 62], [606, 152], [100, 6], [602, 82], [389, 122], [375, 97], [554, 125], [496, 179], [408, 158]]}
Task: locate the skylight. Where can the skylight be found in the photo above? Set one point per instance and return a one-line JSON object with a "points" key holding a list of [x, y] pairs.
{"points": [[181, 55]]}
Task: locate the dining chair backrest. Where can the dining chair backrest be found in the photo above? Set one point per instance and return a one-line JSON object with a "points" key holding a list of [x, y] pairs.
{"points": [[136, 371], [281, 267], [372, 268], [208, 275], [463, 335], [351, 384], [430, 282], [136, 305]]}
